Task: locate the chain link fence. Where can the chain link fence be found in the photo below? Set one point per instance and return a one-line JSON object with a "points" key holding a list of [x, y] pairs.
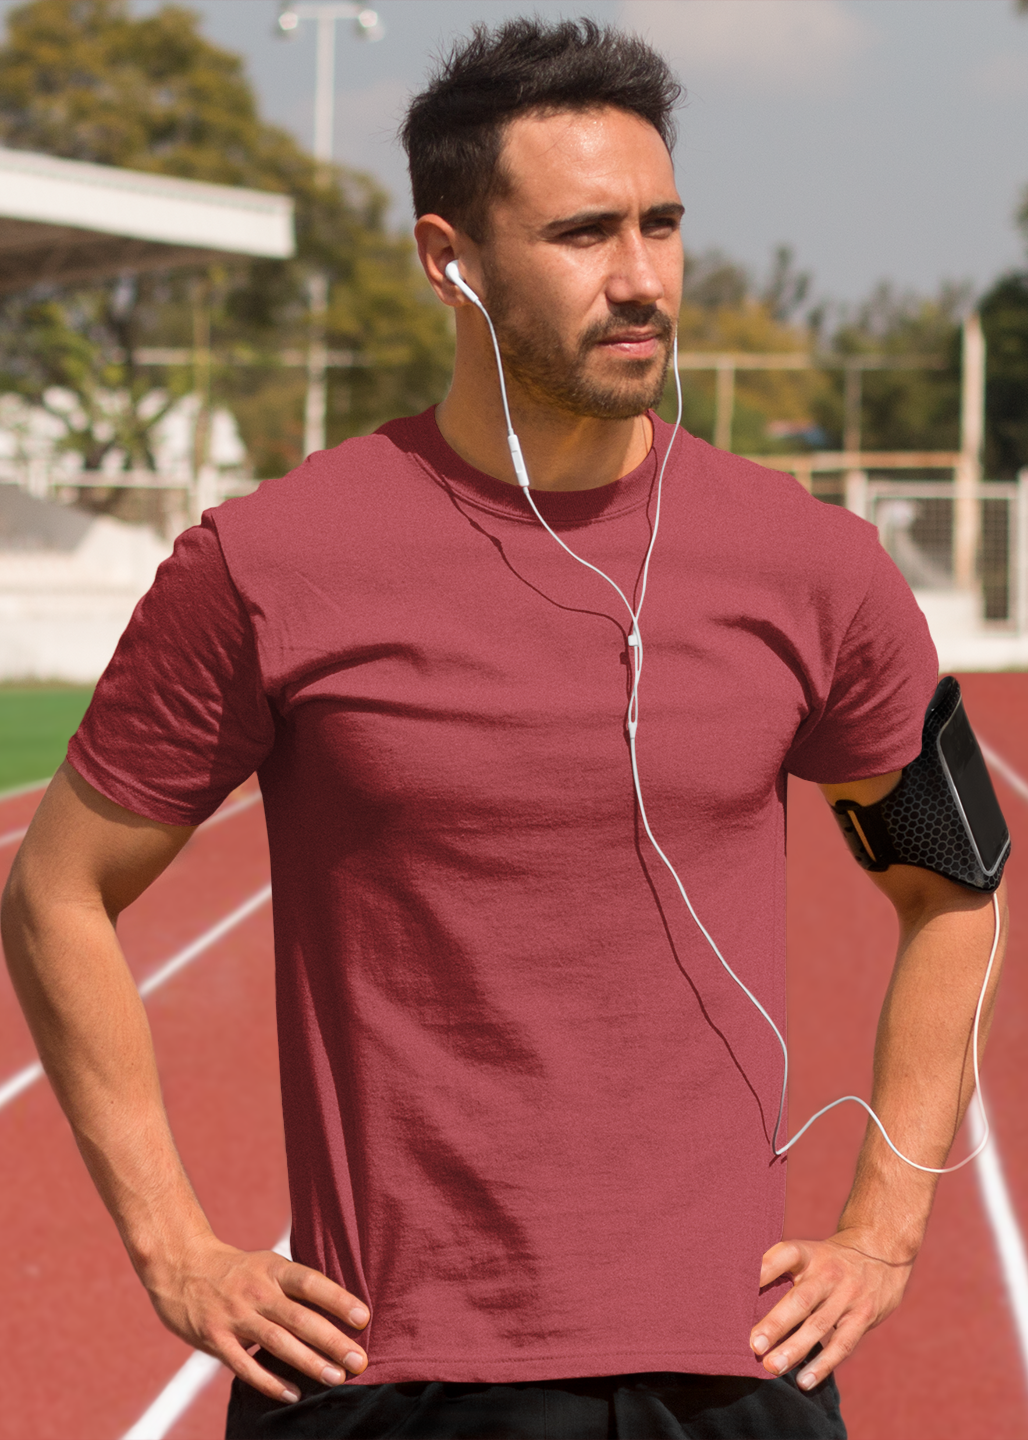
{"points": [[915, 519]]}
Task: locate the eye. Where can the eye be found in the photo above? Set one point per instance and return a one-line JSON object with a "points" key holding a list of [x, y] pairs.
{"points": [[584, 234]]}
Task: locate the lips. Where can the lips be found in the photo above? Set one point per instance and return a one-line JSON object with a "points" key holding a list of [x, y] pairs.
{"points": [[633, 344]]}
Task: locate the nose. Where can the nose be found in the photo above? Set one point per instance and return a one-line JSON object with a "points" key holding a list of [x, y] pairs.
{"points": [[634, 279]]}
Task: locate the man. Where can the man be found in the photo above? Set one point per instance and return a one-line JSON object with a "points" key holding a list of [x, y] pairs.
{"points": [[529, 1118]]}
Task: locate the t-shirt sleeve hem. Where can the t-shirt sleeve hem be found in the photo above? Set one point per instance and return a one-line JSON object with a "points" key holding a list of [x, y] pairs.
{"points": [[131, 795], [881, 763]]}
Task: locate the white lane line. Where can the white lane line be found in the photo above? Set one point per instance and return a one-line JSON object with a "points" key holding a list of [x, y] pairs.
{"points": [[996, 1198], [206, 940], [1002, 1218], [176, 1397], [24, 789], [225, 813], [21, 1080], [1002, 767], [183, 1387], [27, 1076]]}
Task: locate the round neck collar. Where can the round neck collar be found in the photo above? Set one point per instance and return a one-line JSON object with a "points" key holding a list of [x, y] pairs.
{"points": [[560, 507]]}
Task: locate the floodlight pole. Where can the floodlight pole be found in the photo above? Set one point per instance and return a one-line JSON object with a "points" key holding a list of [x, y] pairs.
{"points": [[368, 28], [325, 80]]}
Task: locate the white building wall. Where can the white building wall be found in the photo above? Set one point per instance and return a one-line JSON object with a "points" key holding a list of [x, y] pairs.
{"points": [[69, 581], [62, 612], [961, 638]]}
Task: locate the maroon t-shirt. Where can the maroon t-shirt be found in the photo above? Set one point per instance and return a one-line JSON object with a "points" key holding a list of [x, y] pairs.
{"points": [[528, 1115]]}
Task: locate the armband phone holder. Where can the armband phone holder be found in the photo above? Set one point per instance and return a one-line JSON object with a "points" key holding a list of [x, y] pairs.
{"points": [[943, 815]]}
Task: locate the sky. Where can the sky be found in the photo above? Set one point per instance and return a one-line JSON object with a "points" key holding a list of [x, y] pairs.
{"points": [[880, 139]]}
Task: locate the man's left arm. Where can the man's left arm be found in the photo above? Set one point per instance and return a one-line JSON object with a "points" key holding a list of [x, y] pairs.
{"points": [[923, 1081]]}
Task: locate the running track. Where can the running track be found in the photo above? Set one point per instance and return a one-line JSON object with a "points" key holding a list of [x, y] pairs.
{"points": [[83, 1352]]}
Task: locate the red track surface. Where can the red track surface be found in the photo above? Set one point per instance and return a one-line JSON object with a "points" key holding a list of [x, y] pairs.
{"points": [[87, 1349], [83, 1351]]}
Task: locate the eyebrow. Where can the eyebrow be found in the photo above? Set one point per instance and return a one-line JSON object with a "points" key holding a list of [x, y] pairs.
{"points": [[669, 209]]}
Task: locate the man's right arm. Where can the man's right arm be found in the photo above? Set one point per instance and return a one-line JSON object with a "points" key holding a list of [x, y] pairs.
{"points": [[83, 861]]}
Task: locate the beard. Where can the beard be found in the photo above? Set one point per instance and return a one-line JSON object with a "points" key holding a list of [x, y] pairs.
{"points": [[553, 373]]}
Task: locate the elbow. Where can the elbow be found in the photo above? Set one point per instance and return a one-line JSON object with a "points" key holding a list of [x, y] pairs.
{"points": [[13, 899], [19, 912], [920, 896]]}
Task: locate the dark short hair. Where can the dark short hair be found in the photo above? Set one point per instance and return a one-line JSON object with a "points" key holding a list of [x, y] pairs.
{"points": [[454, 130]]}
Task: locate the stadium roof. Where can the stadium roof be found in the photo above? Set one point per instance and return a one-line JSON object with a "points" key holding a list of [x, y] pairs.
{"points": [[64, 220]]}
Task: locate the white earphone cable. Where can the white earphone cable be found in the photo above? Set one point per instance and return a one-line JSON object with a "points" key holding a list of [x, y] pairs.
{"points": [[632, 725]]}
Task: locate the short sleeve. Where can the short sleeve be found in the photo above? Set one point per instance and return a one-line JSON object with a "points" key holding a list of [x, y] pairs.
{"points": [[179, 717], [885, 672]]}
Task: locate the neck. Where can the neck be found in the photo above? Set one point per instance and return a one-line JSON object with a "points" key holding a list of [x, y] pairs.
{"points": [[562, 451]]}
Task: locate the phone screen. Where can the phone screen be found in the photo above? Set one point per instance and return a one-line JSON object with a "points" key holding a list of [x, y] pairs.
{"points": [[967, 771]]}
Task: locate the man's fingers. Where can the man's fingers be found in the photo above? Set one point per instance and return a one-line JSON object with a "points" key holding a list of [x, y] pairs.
{"points": [[284, 1324], [313, 1288], [281, 1342], [840, 1292], [792, 1310], [828, 1309], [313, 1333], [231, 1299], [785, 1258], [231, 1353], [837, 1349], [817, 1330]]}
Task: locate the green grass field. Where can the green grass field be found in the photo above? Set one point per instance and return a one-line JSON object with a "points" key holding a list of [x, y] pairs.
{"points": [[36, 723]]}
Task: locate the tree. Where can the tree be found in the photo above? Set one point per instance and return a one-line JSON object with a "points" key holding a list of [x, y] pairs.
{"points": [[724, 309], [903, 409], [786, 288], [1004, 312], [89, 80], [1005, 322]]}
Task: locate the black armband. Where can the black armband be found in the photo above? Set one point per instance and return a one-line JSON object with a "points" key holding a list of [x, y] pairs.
{"points": [[943, 815]]}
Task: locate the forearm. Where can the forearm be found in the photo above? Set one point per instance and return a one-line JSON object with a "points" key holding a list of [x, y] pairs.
{"points": [[924, 1075], [84, 860], [93, 1038]]}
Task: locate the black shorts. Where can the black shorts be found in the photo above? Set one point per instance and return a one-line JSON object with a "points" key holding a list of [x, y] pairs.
{"points": [[659, 1406]]}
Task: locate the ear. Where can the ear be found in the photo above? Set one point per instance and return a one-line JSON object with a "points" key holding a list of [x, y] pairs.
{"points": [[439, 244]]}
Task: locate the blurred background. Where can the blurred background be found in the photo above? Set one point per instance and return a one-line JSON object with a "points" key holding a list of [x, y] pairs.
{"points": [[856, 306]]}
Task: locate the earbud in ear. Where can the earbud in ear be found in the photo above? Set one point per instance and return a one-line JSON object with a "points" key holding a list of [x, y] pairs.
{"points": [[452, 273]]}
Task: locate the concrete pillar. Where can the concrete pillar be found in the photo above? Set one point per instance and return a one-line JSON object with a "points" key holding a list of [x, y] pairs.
{"points": [[201, 392], [855, 483], [316, 405], [206, 491], [724, 403], [969, 471], [856, 493], [37, 477]]}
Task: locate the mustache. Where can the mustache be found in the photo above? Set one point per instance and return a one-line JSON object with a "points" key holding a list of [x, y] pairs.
{"points": [[629, 315]]}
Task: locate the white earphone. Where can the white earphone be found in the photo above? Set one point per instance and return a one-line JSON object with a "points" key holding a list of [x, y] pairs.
{"points": [[452, 273]]}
